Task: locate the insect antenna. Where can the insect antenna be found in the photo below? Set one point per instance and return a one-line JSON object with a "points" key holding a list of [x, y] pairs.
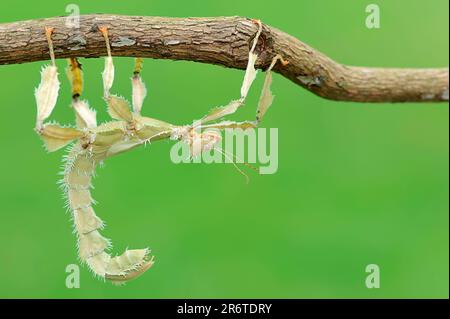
{"points": [[232, 158], [247, 179]]}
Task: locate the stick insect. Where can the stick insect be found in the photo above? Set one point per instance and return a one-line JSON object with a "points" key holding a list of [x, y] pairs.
{"points": [[89, 144]]}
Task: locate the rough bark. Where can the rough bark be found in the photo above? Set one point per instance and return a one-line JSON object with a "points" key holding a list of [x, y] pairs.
{"points": [[224, 41]]}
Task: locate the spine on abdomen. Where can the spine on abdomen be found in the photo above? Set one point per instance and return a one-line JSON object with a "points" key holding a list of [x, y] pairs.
{"points": [[92, 246]]}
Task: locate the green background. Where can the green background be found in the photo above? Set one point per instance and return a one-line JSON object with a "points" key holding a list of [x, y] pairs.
{"points": [[357, 183]]}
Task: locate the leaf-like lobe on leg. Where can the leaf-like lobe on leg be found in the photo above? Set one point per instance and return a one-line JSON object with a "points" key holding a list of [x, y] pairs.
{"points": [[86, 117], [139, 93], [46, 93], [108, 76], [266, 98], [56, 137], [119, 109]]}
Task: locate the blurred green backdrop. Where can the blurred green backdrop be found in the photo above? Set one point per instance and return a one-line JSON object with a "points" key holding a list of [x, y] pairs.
{"points": [[357, 183]]}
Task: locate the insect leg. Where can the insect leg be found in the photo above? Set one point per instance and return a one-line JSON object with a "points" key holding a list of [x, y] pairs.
{"points": [[138, 86], [108, 72], [85, 116], [75, 76], [231, 124], [230, 157], [266, 97], [46, 94], [118, 107], [249, 77]]}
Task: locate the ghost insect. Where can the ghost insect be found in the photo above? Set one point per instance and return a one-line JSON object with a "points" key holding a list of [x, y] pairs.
{"points": [[90, 144]]}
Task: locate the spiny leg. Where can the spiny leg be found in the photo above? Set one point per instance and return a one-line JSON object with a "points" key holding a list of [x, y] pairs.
{"points": [[189, 135], [266, 97], [265, 100], [46, 94], [264, 103], [108, 72], [144, 129], [118, 107], [249, 77]]}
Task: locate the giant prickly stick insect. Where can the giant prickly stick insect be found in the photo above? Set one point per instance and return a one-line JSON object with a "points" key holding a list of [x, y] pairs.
{"points": [[91, 144]]}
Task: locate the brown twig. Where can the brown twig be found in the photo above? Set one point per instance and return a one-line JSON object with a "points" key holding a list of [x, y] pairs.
{"points": [[224, 41]]}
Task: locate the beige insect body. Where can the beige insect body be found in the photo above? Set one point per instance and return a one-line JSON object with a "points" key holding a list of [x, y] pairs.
{"points": [[201, 142], [92, 144]]}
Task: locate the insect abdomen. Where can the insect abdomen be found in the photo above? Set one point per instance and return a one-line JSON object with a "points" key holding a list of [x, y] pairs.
{"points": [[92, 246]]}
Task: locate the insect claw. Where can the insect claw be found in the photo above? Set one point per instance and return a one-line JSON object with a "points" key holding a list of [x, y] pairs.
{"points": [[102, 29], [275, 59], [48, 34], [258, 33], [257, 21], [49, 30]]}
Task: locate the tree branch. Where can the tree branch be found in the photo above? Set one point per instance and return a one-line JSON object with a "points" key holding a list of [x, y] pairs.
{"points": [[224, 41]]}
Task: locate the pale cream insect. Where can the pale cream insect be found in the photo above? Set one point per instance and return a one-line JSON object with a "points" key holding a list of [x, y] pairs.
{"points": [[94, 143]]}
